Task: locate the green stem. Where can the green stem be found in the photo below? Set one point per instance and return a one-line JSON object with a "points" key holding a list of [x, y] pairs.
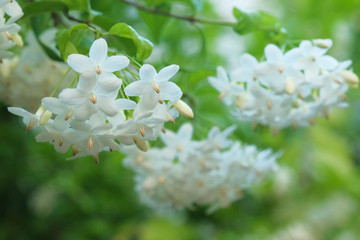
{"points": [[135, 76], [73, 80], [59, 83]]}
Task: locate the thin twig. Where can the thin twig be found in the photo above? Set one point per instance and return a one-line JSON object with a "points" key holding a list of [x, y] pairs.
{"points": [[167, 14]]}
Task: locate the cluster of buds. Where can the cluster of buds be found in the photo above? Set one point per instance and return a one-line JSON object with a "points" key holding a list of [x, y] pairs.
{"points": [[91, 118], [10, 12], [287, 89], [185, 173]]}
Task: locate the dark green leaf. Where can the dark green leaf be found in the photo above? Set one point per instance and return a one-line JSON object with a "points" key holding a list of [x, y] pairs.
{"points": [[124, 33], [76, 39], [36, 8]]}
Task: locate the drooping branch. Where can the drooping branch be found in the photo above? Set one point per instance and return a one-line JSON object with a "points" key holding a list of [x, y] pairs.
{"points": [[184, 18]]}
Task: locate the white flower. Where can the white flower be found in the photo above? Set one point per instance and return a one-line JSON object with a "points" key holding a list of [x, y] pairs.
{"points": [[98, 61], [227, 88], [182, 175], [90, 97], [30, 120], [155, 84], [289, 88]]}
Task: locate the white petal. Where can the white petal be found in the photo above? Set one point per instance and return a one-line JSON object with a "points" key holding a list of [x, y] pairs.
{"points": [[137, 88], [327, 62], [115, 63], [125, 104], [248, 61], [167, 72], [147, 72], [80, 63], [109, 82], [292, 56], [169, 91], [222, 75], [107, 106], [85, 111], [14, 10], [87, 81], [185, 132], [98, 51], [73, 96], [20, 112], [54, 105], [217, 84], [273, 54]]}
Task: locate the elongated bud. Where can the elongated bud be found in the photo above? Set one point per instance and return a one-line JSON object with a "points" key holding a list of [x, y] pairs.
{"points": [[171, 119], [184, 109], [69, 114], [322, 43], [75, 150], [96, 159], [269, 104], [161, 179], [289, 86], [61, 142], [17, 39], [45, 117], [351, 78], [141, 144], [142, 131], [93, 98], [155, 86], [90, 142], [8, 35], [98, 70], [240, 100], [5, 68]]}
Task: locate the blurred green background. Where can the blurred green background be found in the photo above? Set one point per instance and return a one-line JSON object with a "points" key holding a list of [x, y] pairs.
{"points": [[315, 194]]}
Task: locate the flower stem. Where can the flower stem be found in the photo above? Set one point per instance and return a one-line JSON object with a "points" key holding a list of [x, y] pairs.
{"points": [[59, 83]]}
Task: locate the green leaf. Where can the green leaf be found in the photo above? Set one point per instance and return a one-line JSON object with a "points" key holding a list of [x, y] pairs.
{"points": [[36, 8], [39, 24], [258, 21], [100, 6], [104, 22], [128, 40], [74, 4], [76, 39]]}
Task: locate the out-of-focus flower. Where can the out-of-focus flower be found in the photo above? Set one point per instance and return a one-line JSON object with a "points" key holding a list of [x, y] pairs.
{"points": [[186, 173], [287, 89]]}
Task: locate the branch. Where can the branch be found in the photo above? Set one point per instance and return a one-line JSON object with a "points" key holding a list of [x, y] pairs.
{"points": [[167, 14]]}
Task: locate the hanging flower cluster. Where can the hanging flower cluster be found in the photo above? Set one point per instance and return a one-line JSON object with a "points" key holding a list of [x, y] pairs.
{"points": [[286, 89], [26, 79], [91, 118], [10, 12], [212, 172]]}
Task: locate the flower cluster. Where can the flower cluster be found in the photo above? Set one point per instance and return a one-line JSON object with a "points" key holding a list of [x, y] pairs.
{"points": [[212, 172], [26, 79], [91, 118], [286, 89], [10, 11]]}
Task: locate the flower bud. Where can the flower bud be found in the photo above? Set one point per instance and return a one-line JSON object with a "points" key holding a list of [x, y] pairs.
{"points": [[351, 78], [184, 109], [17, 39], [322, 43], [45, 117], [289, 86], [141, 144]]}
